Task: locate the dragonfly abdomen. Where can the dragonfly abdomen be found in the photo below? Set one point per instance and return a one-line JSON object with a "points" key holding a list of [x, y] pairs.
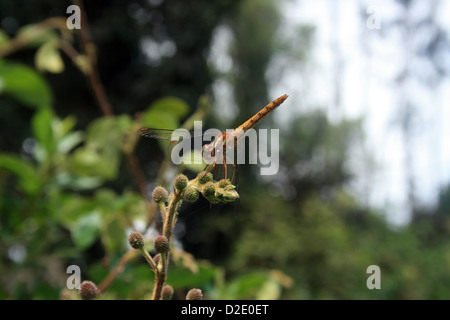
{"points": [[250, 123]]}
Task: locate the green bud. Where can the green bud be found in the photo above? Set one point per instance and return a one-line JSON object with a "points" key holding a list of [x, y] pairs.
{"points": [[190, 194], [226, 196], [230, 196], [209, 189], [223, 183], [180, 182], [204, 177], [229, 187]]}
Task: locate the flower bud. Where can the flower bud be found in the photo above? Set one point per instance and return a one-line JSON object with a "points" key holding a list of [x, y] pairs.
{"points": [[162, 244], [229, 187], [204, 177], [88, 290], [156, 258], [160, 194], [180, 182], [223, 183], [226, 196], [194, 294], [190, 194], [167, 292], [136, 240], [208, 191]]}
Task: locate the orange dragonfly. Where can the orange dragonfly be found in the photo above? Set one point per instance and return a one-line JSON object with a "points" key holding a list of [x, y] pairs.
{"points": [[217, 148]]}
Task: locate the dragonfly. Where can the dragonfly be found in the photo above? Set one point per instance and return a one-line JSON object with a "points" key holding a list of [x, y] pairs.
{"points": [[217, 148]]}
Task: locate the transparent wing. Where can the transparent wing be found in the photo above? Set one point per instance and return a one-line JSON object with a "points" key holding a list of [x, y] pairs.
{"points": [[164, 134]]}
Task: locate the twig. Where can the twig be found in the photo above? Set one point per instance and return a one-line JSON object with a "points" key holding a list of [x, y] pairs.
{"points": [[89, 50], [118, 269]]}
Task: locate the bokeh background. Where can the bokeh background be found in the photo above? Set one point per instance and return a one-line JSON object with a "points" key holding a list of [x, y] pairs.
{"points": [[364, 161]]}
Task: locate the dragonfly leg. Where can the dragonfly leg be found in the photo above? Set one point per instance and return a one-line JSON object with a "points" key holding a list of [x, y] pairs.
{"points": [[213, 166], [234, 169], [225, 165]]}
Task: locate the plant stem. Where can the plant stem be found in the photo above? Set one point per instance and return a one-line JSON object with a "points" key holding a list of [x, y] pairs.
{"points": [[161, 277], [149, 260], [167, 232], [170, 214], [118, 269]]}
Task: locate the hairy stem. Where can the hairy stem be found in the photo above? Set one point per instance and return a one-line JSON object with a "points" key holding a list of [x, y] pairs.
{"points": [[161, 277], [168, 225]]}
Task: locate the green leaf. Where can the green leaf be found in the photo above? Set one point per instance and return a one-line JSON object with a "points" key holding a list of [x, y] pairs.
{"points": [[76, 182], [4, 39], [24, 84], [34, 35], [181, 277], [28, 179], [86, 230], [89, 161], [114, 237], [47, 58], [171, 105], [42, 130], [70, 141], [246, 286], [101, 155], [270, 290], [165, 113], [70, 208], [159, 119]]}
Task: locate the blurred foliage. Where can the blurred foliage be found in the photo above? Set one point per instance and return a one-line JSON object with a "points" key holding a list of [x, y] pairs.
{"points": [[67, 196]]}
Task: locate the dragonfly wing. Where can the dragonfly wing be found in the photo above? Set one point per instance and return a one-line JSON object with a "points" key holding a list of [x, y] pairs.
{"points": [[167, 134], [164, 134]]}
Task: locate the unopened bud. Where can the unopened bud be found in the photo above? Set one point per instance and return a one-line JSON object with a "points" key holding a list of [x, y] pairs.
{"points": [[223, 183], [156, 258], [88, 290], [194, 294], [204, 177], [180, 182], [190, 194], [167, 292], [161, 244], [136, 240]]}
